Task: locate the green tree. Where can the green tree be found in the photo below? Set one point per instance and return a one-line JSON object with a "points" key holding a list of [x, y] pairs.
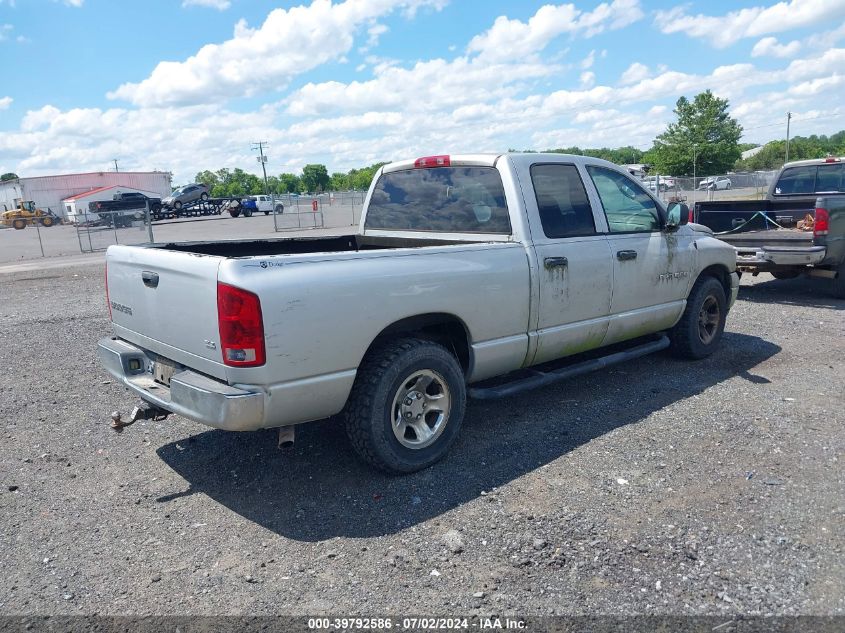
{"points": [[315, 177], [289, 183], [8, 176], [339, 181], [704, 129], [208, 178], [773, 154]]}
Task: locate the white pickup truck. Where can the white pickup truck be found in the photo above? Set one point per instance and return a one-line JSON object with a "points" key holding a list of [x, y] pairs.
{"points": [[469, 275]]}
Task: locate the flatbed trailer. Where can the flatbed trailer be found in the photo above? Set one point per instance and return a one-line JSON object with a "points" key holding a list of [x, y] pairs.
{"points": [[197, 208]]}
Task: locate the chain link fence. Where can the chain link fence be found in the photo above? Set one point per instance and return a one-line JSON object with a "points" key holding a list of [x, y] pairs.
{"points": [[105, 228], [731, 186], [334, 209]]}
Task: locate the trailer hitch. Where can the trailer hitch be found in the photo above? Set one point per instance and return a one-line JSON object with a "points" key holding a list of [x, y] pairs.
{"points": [[142, 411]]}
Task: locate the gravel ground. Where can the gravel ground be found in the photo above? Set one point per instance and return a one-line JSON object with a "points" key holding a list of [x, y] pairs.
{"points": [[658, 487]]}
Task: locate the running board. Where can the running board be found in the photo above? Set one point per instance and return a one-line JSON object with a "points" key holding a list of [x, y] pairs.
{"points": [[541, 379]]}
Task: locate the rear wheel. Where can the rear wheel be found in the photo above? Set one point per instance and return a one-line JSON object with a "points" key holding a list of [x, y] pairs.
{"points": [[47, 221], [699, 331], [235, 212], [280, 208], [177, 205], [407, 405], [19, 224]]}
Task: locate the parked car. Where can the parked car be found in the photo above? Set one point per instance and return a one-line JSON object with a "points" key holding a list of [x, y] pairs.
{"points": [[184, 195], [798, 229], [663, 183], [715, 183], [464, 269]]}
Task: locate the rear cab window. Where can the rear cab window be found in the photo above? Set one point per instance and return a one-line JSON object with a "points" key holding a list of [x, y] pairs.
{"points": [[809, 179], [455, 199]]}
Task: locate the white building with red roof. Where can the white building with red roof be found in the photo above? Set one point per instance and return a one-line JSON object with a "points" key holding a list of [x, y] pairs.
{"points": [[53, 192]]}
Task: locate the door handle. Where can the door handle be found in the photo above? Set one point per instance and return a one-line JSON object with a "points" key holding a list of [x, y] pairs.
{"points": [[626, 255], [150, 279], [556, 262]]}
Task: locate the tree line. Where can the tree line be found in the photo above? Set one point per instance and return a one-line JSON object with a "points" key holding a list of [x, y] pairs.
{"points": [[231, 183], [704, 140]]}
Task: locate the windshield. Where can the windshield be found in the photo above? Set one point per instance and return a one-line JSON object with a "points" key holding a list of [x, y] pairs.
{"points": [[444, 199]]}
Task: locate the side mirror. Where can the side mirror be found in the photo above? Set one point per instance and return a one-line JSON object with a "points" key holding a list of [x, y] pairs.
{"points": [[677, 214]]}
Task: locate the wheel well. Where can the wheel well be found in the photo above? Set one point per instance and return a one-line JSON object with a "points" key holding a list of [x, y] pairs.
{"points": [[446, 329], [721, 274]]}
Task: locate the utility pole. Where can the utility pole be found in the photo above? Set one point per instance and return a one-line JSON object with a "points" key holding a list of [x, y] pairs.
{"points": [[693, 174], [788, 118], [115, 165], [260, 145]]}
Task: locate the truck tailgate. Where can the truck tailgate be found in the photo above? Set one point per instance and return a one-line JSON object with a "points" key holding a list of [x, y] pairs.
{"points": [[166, 302]]}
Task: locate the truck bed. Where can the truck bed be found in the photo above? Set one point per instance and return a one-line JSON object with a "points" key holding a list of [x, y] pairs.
{"points": [[303, 245]]}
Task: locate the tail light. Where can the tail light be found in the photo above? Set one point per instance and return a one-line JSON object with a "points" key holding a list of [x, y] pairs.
{"points": [[241, 327], [691, 216], [432, 161], [108, 302], [821, 222]]}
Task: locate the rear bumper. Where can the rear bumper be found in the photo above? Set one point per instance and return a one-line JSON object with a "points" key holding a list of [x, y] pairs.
{"points": [[769, 257], [190, 394]]}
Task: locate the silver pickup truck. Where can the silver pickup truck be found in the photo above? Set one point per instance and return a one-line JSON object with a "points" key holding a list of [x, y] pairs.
{"points": [[469, 275]]}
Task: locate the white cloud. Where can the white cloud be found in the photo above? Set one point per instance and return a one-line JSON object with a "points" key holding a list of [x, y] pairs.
{"points": [[374, 32], [589, 60], [770, 47], [5, 31], [71, 3], [635, 73], [220, 5], [288, 43], [587, 79], [722, 31], [5, 102], [509, 38]]}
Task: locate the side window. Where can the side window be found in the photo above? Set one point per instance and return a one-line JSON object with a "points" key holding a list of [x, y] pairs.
{"points": [[564, 208], [796, 180], [830, 179], [628, 208]]}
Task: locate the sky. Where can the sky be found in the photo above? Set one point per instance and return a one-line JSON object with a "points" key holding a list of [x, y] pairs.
{"points": [[189, 85]]}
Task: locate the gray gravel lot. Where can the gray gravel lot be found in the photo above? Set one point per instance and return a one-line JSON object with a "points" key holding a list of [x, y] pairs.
{"points": [[658, 487]]}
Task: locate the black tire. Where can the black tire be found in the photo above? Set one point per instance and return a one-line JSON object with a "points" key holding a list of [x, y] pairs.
{"points": [[384, 373], [837, 285], [247, 213], [280, 208], [177, 205], [235, 212], [19, 224], [691, 338], [47, 221], [785, 274], [266, 213]]}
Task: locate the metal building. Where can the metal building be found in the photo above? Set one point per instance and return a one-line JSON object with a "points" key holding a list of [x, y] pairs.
{"points": [[50, 192]]}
